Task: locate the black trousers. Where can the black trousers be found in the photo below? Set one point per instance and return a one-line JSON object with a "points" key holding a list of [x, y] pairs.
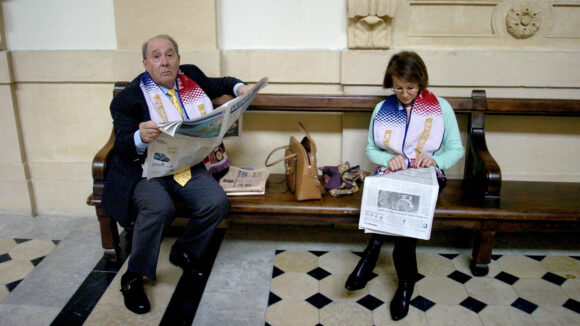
{"points": [[205, 200], [404, 255]]}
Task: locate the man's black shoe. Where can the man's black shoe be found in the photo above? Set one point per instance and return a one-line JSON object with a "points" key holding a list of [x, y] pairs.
{"points": [[134, 294], [180, 257]]}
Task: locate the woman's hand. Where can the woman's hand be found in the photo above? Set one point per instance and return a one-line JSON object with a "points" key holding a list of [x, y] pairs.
{"points": [[149, 131], [397, 163], [423, 160]]}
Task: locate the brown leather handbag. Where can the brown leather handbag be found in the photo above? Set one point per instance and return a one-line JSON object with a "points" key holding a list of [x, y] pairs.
{"points": [[300, 164]]}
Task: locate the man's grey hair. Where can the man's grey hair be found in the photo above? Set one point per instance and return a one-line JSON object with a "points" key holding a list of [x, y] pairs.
{"points": [[164, 36]]}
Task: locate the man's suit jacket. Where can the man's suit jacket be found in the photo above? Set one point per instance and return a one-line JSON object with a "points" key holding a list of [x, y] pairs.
{"points": [[128, 110]]}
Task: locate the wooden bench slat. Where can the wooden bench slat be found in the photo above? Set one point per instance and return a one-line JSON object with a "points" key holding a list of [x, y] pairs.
{"points": [[331, 103], [533, 106]]}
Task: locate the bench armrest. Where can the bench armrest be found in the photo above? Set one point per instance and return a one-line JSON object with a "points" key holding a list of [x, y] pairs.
{"points": [[99, 168], [482, 175]]}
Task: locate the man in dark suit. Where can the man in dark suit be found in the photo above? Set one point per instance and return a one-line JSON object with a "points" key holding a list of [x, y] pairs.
{"points": [[146, 206]]}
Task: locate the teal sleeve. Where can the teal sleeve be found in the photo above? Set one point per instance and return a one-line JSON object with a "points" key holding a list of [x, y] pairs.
{"points": [[376, 154], [452, 149]]}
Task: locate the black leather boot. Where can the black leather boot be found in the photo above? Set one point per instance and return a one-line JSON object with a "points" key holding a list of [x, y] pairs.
{"points": [[401, 300], [362, 272]]}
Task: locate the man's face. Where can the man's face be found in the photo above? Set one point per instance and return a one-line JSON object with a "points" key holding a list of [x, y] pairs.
{"points": [[162, 62]]}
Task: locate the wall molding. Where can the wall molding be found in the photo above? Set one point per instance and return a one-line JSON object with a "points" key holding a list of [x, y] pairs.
{"points": [[565, 20], [443, 19]]}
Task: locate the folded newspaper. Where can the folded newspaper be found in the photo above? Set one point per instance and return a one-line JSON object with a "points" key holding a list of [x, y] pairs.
{"points": [[243, 181], [186, 143], [400, 203]]}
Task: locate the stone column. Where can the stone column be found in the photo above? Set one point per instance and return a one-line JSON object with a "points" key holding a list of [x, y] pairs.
{"points": [[16, 196]]}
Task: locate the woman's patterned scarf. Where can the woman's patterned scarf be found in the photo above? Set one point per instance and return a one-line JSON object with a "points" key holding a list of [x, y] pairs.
{"points": [[423, 132]]}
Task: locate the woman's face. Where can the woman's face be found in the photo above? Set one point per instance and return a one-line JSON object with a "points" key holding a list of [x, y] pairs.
{"points": [[405, 91]]}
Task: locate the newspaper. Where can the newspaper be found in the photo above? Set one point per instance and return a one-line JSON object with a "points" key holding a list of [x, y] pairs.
{"points": [[243, 181], [400, 203], [183, 144]]}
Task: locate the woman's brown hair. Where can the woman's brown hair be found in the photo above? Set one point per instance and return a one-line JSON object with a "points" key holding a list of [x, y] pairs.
{"points": [[408, 66]]}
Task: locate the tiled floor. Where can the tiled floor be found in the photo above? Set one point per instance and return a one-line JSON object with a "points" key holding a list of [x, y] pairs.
{"points": [[307, 288], [287, 275], [18, 257]]}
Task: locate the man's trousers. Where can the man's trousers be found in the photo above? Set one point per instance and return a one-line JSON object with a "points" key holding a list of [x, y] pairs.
{"points": [[206, 203]]}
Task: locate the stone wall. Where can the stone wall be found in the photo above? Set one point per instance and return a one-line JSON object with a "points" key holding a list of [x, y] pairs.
{"points": [[55, 102]]}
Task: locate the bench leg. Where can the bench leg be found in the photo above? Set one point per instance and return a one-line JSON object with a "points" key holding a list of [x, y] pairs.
{"points": [[109, 234], [482, 246]]}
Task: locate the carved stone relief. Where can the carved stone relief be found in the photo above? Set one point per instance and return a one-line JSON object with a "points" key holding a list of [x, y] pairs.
{"points": [[369, 23], [523, 21]]}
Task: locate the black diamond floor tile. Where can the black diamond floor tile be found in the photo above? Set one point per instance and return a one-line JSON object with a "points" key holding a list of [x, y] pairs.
{"points": [[419, 277], [524, 305], [459, 277], [473, 304], [279, 251], [317, 253], [449, 256], [37, 261], [11, 286], [422, 303], [273, 298], [318, 300], [553, 278], [318, 273], [507, 278], [370, 302], [536, 257], [572, 305], [496, 257], [19, 241], [372, 276], [5, 257], [277, 272]]}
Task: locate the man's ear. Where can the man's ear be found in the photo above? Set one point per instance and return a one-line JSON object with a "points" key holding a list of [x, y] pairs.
{"points": [[145, 63]]}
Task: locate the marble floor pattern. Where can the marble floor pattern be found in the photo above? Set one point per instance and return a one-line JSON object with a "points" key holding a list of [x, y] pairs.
{"points": [[284, 275]]}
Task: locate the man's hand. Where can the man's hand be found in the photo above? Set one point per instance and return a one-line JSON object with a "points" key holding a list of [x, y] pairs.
{"points": [[149, 131], [243, 89]]}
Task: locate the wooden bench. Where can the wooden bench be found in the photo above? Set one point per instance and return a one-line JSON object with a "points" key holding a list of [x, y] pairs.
{"points": [[472, 203]]}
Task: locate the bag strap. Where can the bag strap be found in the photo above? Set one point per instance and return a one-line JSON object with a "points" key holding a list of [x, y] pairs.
{"points": [[280, 160]]}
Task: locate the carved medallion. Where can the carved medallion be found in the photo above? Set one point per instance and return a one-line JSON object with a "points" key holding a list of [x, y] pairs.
{"points": [[523, 21]]}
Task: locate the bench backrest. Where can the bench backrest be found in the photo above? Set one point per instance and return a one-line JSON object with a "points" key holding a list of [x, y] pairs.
{"points": [[482, 175]]}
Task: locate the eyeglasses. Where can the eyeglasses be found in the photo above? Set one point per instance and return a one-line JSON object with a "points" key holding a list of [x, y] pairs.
{"points": [[410, 90]]}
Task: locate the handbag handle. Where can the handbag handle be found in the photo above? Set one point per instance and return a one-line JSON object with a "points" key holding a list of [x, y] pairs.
{"points": [[280, 160], [304, 129]]}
